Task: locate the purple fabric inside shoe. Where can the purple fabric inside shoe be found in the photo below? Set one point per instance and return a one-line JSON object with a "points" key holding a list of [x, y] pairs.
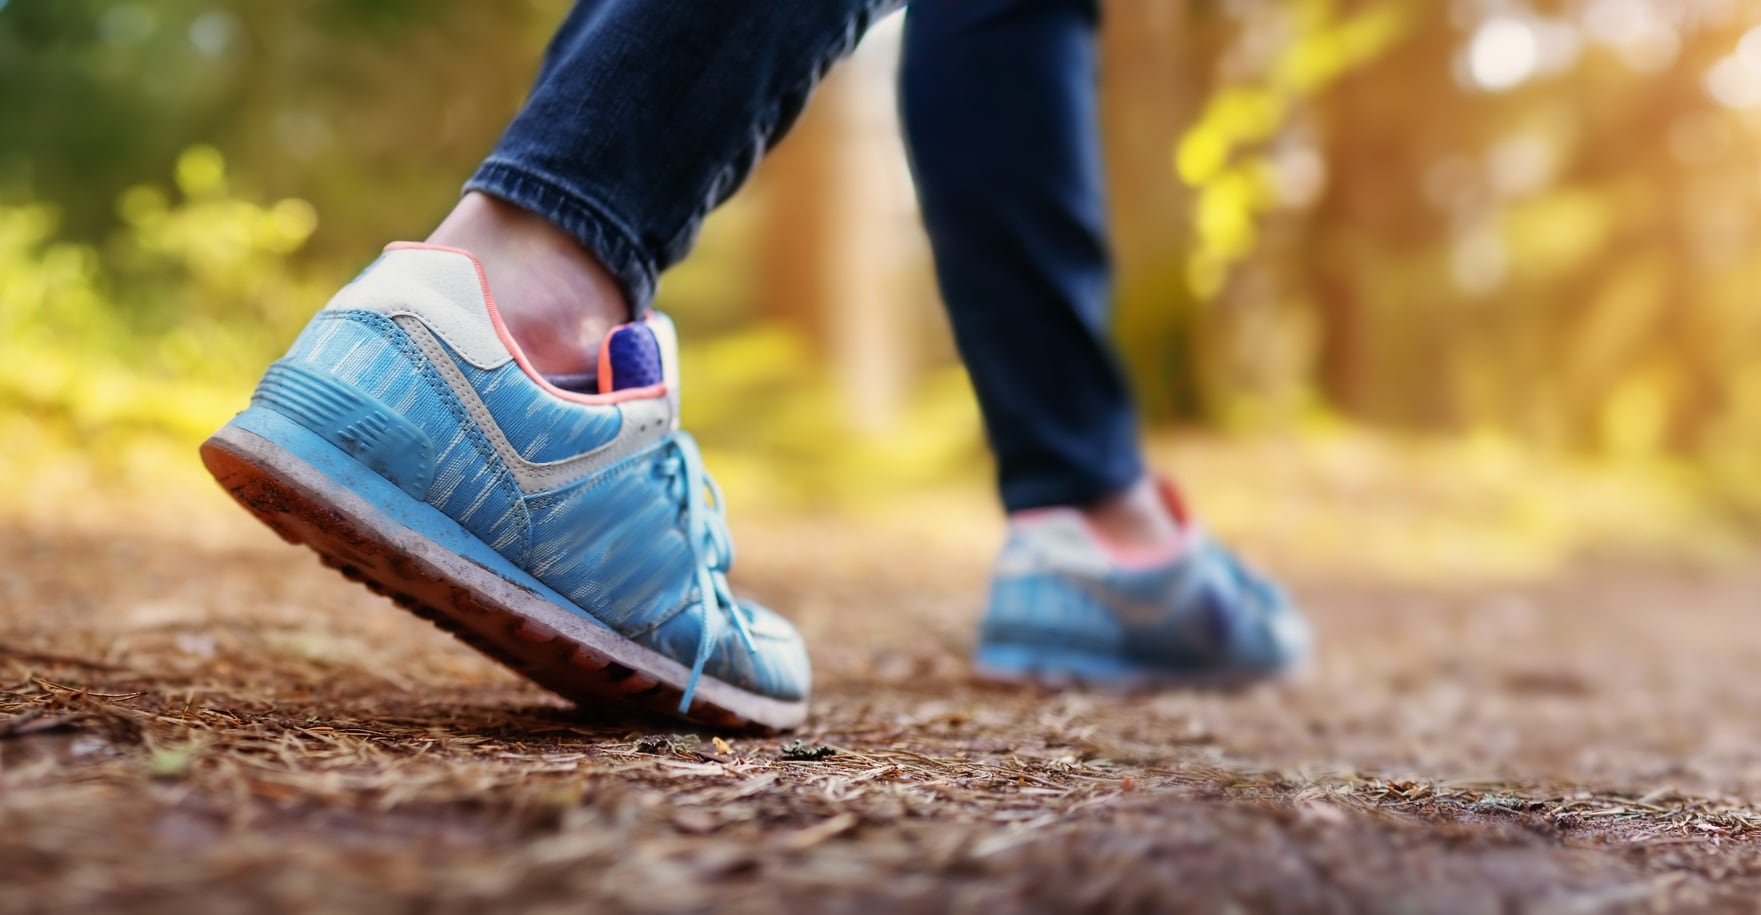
{"points": [[634, 352]]}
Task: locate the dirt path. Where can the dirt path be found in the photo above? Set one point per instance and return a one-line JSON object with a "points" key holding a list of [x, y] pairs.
{"points": [[214, 723]]}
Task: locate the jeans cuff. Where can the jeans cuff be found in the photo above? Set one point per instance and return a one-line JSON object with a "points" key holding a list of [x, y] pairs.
{"points": [[582, 217], [1071, 489]]}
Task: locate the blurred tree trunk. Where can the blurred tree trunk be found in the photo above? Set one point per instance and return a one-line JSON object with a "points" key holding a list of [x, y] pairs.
{"points": [[819, 217], [827, 244], [797, 185], [1388, 349], [1152, 84], [1339, 302]]}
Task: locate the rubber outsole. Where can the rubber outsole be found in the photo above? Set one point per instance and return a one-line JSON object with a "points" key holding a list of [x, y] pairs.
{"points": [[1054, 668], [557, 648]]}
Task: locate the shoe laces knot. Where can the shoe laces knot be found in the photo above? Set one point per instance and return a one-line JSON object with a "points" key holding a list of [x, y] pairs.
{"points": [[712, 548]]}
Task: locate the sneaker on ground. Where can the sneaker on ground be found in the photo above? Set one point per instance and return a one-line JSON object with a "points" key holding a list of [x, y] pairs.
{"points": [[571, 534], [1064, 608]]}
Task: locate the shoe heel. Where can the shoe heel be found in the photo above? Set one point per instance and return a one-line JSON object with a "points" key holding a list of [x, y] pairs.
{"points": [[360, 425]]}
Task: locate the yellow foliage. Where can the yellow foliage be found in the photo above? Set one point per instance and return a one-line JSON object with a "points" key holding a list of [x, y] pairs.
{"points": [[774, 430], [201, 172], [1730, 447], [1235, 117], [1327, 51], [1635, 419], [197, 296], [1216, 155], [1225, 211], [1205, 274], [1201, 153], [1610, 334], [1481, 506], [1556, 232]]}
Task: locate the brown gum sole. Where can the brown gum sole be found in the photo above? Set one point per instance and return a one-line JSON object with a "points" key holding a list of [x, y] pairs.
{"points": [[583, 662]]}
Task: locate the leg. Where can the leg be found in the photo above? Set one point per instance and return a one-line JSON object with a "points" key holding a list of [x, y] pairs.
{"points": [[1104, 583], [646, 114], [416, 438], [999, 105]]}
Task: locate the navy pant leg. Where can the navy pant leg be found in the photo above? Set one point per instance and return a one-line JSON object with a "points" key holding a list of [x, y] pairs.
{"points": [[999, 102], [648, 113]]}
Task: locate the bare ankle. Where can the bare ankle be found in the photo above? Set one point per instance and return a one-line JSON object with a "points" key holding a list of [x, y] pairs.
{"points": [[1136, 519], [557, 300]]}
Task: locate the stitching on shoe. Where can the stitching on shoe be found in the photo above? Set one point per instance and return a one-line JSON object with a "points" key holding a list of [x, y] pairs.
{"points": [[500, 476], [441, 332], [532, 477]]}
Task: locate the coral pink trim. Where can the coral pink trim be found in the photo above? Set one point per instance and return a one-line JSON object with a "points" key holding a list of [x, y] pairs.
{"points": [[1175, 500], [605, 377], [507, 339]]}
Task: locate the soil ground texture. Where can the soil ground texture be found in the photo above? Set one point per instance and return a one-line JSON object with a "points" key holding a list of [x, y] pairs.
{"points": [[201, 719]]}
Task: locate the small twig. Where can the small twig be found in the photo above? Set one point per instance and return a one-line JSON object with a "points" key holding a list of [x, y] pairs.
{"points": [[52, 686]]}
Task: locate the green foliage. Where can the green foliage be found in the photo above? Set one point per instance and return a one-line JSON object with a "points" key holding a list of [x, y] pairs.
{"points": [[100, 95], [161, 326], [92, 93]]}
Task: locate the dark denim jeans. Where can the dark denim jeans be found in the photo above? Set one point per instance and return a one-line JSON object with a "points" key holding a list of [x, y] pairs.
{"points": [[647, 114]]}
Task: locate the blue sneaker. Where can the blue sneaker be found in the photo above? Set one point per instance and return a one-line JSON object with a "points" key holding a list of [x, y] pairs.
{"points": [[1063, 609], [570, 534]]}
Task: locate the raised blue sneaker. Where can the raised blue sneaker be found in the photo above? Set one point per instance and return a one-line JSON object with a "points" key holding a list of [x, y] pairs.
{"points": [[570, 534], [1065, 609]]}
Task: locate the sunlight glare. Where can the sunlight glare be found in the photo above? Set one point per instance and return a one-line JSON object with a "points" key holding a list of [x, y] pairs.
{"points": [[1735, 81], [1635, 31], [1504, 52]]}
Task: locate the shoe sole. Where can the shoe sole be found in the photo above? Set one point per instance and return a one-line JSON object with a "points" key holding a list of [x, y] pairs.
{"points": [[1058, 668], [492, 611]]}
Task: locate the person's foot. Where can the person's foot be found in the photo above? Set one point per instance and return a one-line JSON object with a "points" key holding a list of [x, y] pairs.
{"points": [[1066, 606], [571, 534]]}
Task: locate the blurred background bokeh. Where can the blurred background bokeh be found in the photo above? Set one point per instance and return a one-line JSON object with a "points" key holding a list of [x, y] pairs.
{"points": [[1475, 280]]}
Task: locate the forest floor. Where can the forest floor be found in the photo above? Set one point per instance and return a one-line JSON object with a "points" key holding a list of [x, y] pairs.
{"points": [[197, 718]]}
